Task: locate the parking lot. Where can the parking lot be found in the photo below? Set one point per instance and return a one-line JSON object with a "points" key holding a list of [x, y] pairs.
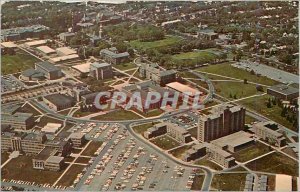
{"points": [[128, 165], [10, 83], [187, 120]]}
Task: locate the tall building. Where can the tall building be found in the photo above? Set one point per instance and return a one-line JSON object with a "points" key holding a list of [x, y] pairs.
{"points": [[220, 121], [101, 71]]}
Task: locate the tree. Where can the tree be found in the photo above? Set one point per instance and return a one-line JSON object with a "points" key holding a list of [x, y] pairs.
{"points": [[131, 52], [283, 112], [245, 81], [121, 47], [259, 88], [269, 105]]}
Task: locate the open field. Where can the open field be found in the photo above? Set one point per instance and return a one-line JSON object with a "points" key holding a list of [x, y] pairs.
{"points": [[84, 160], [92, 148], [16, 63], [140, 129], [152, 113], [197, 183], [275, 163], [204, 161], [165, 142], [197, 56], [229, 181], [249, 119], [226, 69], [4, 157], [117, 115], [251, 152], [180, 151], [169, 40], [69, 177], [21, 168], [258, 104]]}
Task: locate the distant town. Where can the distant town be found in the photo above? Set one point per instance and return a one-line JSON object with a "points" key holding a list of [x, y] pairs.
{"points": [[237, 60]]}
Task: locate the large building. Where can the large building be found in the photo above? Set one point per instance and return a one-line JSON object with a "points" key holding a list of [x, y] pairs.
{"points": [[66, 36], [221, 121], [49, 70], [284, 92], [18, 33], [58, 101], [112, 56], [269, 131], [101, 71], [78, 139], [154, 73], [178, 133]]}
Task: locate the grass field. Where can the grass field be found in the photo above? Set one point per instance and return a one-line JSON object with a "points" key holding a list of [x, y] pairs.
{"points": [[152, 113], [251, 152], [92, 148], [21, 168], [169, 40], [275, 163], [4, 157], [16, 63], [165, 142], [229, 181], [258, 104], [69, 177], [200, 56], [117, 115], [125, 66], [249, 119], [84, 160], [180, 151], [140, 129], [197, 182], [226, 69], [204, 161]]}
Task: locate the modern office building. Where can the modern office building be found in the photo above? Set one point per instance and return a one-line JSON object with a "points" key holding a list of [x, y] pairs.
{"points": [[112, 56], [156, 130], [18, 33], [101, 71], [47, 160], [78, 139], [66, 36], [58, 101], [154, 73], [18, 120], [268, 131], [220, 121]]}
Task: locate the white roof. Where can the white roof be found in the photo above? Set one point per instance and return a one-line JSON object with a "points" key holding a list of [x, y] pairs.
{"points": [[51, 128], [46, 49], [183, 88], [9, 44], [66, 50], [83, 68], [63, 58], [283, 182], [35, 43]]}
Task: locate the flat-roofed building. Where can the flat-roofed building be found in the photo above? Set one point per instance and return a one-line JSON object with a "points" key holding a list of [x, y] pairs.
{"points": [[283, 182], [66, 36], [35, 43], [235, 141], [156, 130], [101, 71], [65, 58], [284, 92], [82, 70], [38, 162], [185, 90], [207, 34], [268, 131], [32, 75], [221, 121], [220, 156], [58, 101], [51, 128], [112, 56], [78, 139], [45, 50], [153, 72], [54, 163], [33, 143], [196, 152], [63, 51], [49, 70], [18, 120]]}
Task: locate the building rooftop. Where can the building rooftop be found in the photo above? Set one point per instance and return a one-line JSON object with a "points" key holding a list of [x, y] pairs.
{"points": [[284, 89], [46, 49], [67, 34], [235, 139], [47, 66], [100, 65], [55, 159], [32, 73], [44, 154], [17, 117], [183, 88], [59, 99], [83, 68], [63, 58], [9, 109], [113, 54], [77, 135], [35, 43], [66, 50]]}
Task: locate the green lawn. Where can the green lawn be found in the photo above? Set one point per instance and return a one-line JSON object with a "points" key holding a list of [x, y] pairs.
{"points": [[21, 168], [16, 63], [180, 151], [140, 129], [204, 161], [169, 40], [258, 104], [91, 148], [229, 181], [238, 89], [4, 157], [152, 113], [201, 56], [275, 163], [117, 115], [226, 69], [249, 119], [69, 177], [251, 152], [125, 66], [165, 142], [197, 182]]}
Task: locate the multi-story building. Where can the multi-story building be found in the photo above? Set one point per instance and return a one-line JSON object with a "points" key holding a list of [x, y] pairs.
{"points": [[154, 73], [66, 36], [220, 121], [101, 71], [47, 160], [78, 139], [49, 70], [18, 120], [18, 33], [196, 152], [269, 131], [178, 133], [112, 56]]}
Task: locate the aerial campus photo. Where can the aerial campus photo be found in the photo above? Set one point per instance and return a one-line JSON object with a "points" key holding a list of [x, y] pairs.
{"points": [[116, 95]]}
